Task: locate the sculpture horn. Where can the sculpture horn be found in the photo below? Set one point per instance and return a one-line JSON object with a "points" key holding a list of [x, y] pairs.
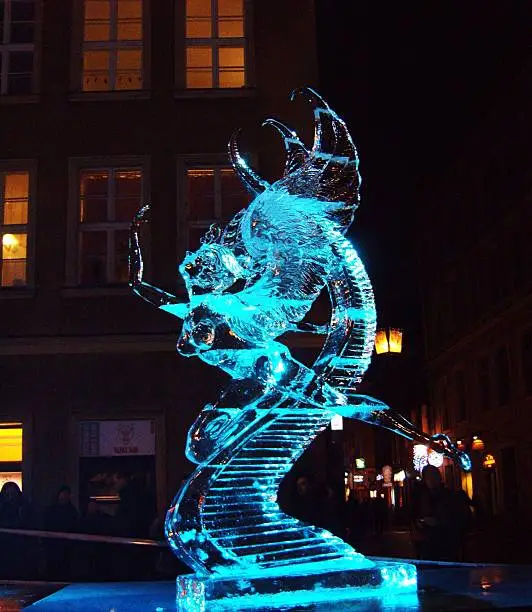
{"points": [[247, 175], [296, 153]]}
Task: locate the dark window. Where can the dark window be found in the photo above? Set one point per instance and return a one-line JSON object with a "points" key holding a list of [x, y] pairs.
{"points": [[502, 376], [509, 478]]}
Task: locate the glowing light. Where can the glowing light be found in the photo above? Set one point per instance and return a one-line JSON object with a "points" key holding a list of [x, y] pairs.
{"points": [[10, 243], [358, 477], [337, 422], [434, 458], [489, 461], [477, 444], [381, 342], [396, 340], [10, 444], [399, 476], [360, 463]]}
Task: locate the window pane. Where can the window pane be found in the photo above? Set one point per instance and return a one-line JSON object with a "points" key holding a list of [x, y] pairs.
{"points": [[93, 196], [199, 78], [231, 78], [96, 70], [199, 27], [199, 57], [198, 8], [200, 194], [22, 32], [234, 196], [121, 256], [129, 69], [130, 9], [97, 20], [16, 187], [230, 18], [20, 61], [128, 188], [129, 20], [14, 252], [231, 57], [22, 10], [93, 255], [230, 8]]}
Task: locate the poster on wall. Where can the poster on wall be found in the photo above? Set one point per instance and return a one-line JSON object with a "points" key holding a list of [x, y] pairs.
{"points": [[117, 438]]}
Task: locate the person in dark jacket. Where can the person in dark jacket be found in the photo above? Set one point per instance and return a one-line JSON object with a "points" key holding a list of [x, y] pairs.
{"points": [[61, 515], [15, 513]]}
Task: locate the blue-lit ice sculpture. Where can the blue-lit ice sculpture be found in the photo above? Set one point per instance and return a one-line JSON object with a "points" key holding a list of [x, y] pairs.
{"points": [[248, 284]]}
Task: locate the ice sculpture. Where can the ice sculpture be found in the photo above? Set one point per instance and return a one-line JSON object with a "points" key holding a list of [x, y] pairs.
{"points": [[248, 284]]}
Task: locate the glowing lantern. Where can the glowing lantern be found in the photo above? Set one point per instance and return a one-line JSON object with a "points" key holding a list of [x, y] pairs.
{"points": [[460, 445], [477, 444], [10, 243], [360, 463], [434, 458], [381, 342], [388, 342], [395, 340], [489, 461]]}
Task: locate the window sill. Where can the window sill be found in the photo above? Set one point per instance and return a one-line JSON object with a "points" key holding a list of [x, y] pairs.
{"points": [[17, 293], [20, 99], [241, 92], [99, 96], [83, 292]]}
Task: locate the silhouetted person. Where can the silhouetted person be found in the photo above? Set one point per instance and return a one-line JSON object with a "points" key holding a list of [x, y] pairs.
{"points": [[437, 518], [380, 514], [60, 516], [14, 550], [96, 562]]}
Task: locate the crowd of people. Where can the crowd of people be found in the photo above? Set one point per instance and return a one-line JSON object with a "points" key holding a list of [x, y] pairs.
{"points": [[439, 520]]}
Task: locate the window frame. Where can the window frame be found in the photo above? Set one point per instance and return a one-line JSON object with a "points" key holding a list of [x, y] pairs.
{"points": [[76, 166], [35, 46], [180, 76], [77, 93], [192, 162], [14, 166]]}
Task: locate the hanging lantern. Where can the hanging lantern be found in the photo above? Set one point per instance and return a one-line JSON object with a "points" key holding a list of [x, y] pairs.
{"points": [[434, 458], [477, 444], [381, 342], [395, 340], [420, 459]]}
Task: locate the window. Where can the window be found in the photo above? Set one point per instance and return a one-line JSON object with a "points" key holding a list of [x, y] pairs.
{"points": [[215, 44], [14, 224], [213, 195], [17, 46], [108, 198], [112, 45], [502, 376], [11, 453]]}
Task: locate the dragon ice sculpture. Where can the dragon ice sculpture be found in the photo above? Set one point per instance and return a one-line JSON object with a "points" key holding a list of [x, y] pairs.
{"points": [[248, 284]]}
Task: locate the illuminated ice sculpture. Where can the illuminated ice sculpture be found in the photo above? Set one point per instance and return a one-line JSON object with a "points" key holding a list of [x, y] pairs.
{"points": [[248, 284]]}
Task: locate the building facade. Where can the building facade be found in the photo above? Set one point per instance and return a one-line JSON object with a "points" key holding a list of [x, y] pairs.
{"points": [[106, 105], [478, 280]]}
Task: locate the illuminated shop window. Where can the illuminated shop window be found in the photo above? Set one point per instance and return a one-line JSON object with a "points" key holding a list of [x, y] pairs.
{"points": [[14, 211], [112, 45], [17, 46], [215, 44], [108, 200], [213, 195], [10, 453]]}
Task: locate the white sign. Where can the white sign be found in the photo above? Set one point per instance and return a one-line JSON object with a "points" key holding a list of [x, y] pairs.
{"points": [[337, 422], [117, 438]]}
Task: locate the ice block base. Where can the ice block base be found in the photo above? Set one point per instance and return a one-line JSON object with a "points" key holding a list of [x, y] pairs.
{"points": [[295, 586]]}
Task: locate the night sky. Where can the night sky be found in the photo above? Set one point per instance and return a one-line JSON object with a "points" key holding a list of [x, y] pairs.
{"points": [[412, 80]]}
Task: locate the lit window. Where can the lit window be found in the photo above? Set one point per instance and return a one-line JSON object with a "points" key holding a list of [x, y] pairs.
{"points": [[11, 453], [214, 195], [108, 200], [17, 46], [112, 45], [215, 45], [14, 210]]}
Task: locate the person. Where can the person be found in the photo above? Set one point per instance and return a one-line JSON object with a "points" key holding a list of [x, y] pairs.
{"points": [[95, 562], [14, 514], [437, 518], [61, 515]]}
